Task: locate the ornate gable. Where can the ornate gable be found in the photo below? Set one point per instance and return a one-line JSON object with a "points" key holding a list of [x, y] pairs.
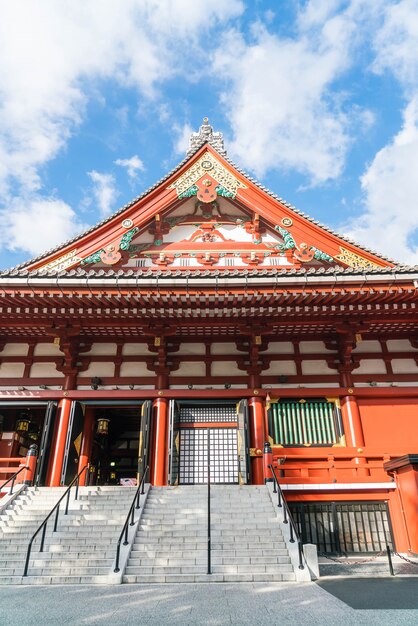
{"points": [[207, 213]]}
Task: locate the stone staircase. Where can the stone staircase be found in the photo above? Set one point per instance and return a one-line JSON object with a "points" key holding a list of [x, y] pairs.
{"points": [[83, 548], [171, 542]]}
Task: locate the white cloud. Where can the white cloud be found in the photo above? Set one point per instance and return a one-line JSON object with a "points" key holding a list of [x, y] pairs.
{"points": [[37, 224], [390, 220], [279, 99], [54, 54], [391, 189], [104, 191], [132, 165], [182, 135]]}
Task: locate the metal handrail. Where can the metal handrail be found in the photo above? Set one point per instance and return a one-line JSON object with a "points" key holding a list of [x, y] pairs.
{"points": [[57, 509], [13, 478], [131, 516], [209, 522], [287, 516]]}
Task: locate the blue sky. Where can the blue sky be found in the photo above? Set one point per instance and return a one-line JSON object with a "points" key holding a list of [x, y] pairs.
{"points": [[316, 99]]}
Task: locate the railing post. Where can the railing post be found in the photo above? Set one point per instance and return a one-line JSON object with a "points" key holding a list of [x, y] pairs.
{"points": [[41, 549], [31, 460], [56, 519], [67, 503], [209, 522], [392, 573]]}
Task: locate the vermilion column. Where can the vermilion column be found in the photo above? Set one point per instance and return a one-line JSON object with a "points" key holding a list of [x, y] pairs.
{"points": [[257, 437], [405, 471], [64, 408], [353, 428], [159, 467], [87, 443]]}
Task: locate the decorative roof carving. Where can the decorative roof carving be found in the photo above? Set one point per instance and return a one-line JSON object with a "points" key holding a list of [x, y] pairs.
{"points": [[206, 135], [207, 164]]}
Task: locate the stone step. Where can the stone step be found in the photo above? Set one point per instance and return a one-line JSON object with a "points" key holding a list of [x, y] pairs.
{"points": [[53, 580], [204, 578]]}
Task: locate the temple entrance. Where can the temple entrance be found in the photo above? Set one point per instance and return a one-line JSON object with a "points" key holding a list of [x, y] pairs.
{"points": [[24, 424], [208, 435], [121, 443]]}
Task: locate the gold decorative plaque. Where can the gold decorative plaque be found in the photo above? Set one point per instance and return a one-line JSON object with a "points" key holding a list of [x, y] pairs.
{"points": [[355, 260], [207, 162], [62, 263]]}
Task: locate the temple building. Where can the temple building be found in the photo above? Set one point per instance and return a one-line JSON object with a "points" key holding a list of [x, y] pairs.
{"points": [[207, 318]]}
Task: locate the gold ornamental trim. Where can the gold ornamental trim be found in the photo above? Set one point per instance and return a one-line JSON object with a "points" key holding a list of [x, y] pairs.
{"points": [[355, 260], [207, 164], [63, 262]]}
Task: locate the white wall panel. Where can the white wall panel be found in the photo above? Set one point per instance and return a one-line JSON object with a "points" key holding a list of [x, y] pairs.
{"points": [[280, 347], [190, 369], [368, 346], [371, 366], [98, 369], [313, 347], [287, 368], [99, 349], [316, 367], [132, 349], [225, 348], [226, 368], [47, 349], [135, 369], [12, 370], [404, 366], [47, 370], [400, 345], [191, 348], [14, 349]]}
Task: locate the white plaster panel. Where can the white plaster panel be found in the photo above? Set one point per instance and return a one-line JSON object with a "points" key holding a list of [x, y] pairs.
{"points": [[98, 369], [225, 348], [14, 349], [404, 366], [178, 233], [102, 349], [281, 367], [132, 349], [12, 370], [192, 348], [135, 369], [371, 366], [280, 347], [316, 367], [48, 370], [368, 346], [235, 233], [226, 368], [47, 349], [400, 345], [190, 369], [312, 347]]}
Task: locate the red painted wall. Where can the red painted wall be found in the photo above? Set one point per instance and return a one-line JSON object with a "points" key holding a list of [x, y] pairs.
{"points": [[390, 423]]}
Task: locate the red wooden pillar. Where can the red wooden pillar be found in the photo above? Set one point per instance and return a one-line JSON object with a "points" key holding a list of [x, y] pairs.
{"points": [[159, 466], [351, 418], [64, 408], [87, 443], [405, 471], [257, 437]]}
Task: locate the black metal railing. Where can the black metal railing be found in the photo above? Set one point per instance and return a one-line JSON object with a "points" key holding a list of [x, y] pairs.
{"points": [[287, 516], [56, 509], [130, 518], [13, 478], [209, 522]]}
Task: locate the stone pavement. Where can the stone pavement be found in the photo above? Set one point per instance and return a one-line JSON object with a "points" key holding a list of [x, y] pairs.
{"points": [[212, 604]]}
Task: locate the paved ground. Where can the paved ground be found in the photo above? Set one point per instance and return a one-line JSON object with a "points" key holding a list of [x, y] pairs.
{"points": [[214, 604]]}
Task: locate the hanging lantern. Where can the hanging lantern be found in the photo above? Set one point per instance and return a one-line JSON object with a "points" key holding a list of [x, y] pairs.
{"points": [[23, 422], [103, 426]]}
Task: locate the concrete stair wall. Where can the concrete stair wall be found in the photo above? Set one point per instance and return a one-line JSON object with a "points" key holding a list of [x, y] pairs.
{"points": [[83, 548], [171, 541]]}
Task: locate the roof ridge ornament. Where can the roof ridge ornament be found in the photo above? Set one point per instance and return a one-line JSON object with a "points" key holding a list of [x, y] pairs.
{"points": [[206, 135]]}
